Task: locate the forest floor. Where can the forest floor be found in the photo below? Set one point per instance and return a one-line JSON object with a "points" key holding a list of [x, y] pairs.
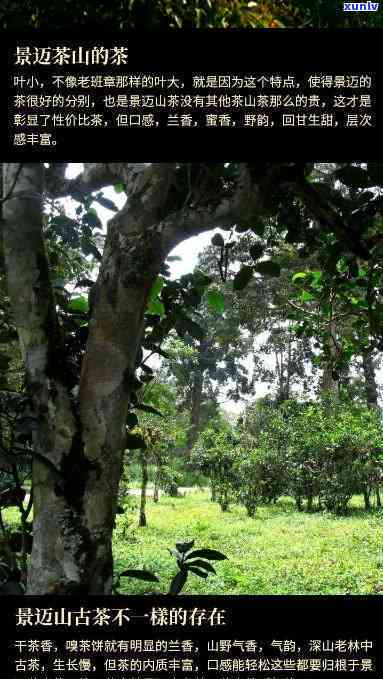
{"points": [[279, 551]]}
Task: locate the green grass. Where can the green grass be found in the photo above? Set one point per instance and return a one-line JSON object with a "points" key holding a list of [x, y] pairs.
{"points": [[280, 551]]}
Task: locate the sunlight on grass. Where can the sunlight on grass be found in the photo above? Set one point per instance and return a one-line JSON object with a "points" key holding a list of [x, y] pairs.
{"points": [[280, 551]]}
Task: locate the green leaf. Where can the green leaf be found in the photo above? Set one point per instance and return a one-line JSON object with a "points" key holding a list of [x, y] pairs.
{"points": [[178, 582], [140, 575], [258, 228], [79, 305], [185, 325], [203, 564], [174, 258], [147, 369], [131, 420], [256, 251], [306, 296], [108, 204], [242, 227], [85, 283], [217, 241], [67, 229], [89, 248], [299, 276], [119, 188], [156, 308], [156, 288], [148, 409], [353, 176], [197, 571], [199, 279], [316, 277], [212, 554], [134, 441], [184, 546], [268, 268], [243, 277], [216, 300], [375, 172], [92, 219]]}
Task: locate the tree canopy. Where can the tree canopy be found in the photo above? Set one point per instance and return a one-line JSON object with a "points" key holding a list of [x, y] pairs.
{"points": [[164, 14]]}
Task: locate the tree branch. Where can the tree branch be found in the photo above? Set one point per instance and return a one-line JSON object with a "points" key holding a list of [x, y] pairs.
{"points": [[94, 177], [221, 207], [325, 214]]}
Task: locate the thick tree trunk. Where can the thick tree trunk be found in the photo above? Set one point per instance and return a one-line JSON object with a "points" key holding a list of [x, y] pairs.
{"points": [[61, 553], [80, 439], [329, 385], [79, 443]]}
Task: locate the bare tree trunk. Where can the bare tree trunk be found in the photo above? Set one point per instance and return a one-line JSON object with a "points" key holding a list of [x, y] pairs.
{"points": [[366, 497], [330, 385], [157, 483], [279, 371], [371, 388], [288, 377], [79, 443], [378, 498], [144, 485], [195, 412], [371, 391], [213, 496], [56, 440]]}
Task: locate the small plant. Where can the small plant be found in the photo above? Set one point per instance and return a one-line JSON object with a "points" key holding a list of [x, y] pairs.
{"points": [[188, 561]]}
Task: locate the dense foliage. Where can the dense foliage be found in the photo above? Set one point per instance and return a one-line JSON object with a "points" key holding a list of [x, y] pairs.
{"points": [[320, 452], [160, 14]]}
